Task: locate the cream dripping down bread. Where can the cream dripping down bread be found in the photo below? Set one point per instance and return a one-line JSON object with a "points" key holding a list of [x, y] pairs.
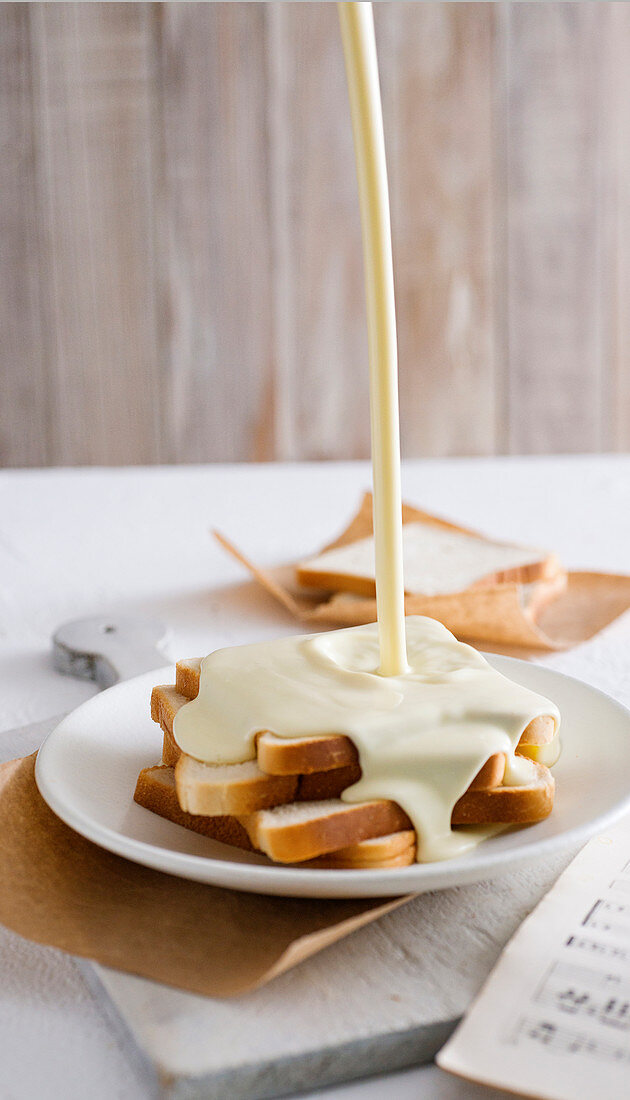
{"points": [[292, 796]]}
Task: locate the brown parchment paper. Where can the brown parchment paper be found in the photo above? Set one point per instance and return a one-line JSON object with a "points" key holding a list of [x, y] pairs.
{"points": [[61, 890], [517, 618]]}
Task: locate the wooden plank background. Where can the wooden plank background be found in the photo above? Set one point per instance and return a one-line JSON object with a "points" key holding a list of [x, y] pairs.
{"points": [[180, 249]]}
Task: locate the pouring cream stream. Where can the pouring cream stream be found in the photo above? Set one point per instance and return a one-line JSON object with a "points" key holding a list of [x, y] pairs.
{"points": [[357, 32]]}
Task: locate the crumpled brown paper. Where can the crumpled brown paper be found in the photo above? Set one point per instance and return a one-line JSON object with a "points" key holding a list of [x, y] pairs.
{"points": [[61, 890], [518, 618]]}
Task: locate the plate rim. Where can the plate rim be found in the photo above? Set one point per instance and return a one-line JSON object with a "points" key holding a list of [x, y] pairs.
{"points": [[315, 882]]}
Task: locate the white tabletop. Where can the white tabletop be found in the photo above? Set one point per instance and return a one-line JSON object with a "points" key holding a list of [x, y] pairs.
{"points": [[80, 542]]}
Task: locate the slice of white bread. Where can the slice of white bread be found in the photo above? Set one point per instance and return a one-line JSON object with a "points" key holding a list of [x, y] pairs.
{"points": [[304, 830], [155, 790], [230, 788], [288, 755], [439, 560]]}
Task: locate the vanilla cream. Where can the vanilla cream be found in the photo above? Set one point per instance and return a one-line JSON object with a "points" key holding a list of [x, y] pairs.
{"points": [[421, 736]]}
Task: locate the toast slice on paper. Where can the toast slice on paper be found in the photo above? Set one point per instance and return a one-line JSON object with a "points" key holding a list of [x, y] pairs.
{"points": [[438, 561]]}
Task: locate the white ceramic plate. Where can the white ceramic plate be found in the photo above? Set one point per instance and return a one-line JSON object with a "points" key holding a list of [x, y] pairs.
{"points": [[87, 769]]}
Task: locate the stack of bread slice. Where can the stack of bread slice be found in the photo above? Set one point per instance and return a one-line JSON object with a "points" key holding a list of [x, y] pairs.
{"points": [[286, 803]]}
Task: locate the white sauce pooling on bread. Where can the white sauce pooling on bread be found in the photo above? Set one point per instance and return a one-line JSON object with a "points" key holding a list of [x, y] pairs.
{"points": [[421, 737], [436, 561]]}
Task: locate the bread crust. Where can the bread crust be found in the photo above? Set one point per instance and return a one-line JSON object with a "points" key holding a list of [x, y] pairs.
{"points": [[545, 570], [379, 847], [304, 755], [329, 784], [187, 673], [331, 863]]}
